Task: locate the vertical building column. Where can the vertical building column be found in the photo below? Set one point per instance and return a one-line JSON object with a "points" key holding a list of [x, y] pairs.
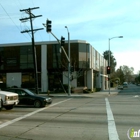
{"points": [[98, 80], [103, 82], [44, 75], [107, 84], [90, 79]]}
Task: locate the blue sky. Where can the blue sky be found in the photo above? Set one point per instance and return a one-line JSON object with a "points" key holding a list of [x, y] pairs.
{"points": [[92, 20]]}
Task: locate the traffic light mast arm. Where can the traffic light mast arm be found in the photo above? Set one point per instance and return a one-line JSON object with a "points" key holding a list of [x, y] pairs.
{"points": [[61, 47], [49, 31]]}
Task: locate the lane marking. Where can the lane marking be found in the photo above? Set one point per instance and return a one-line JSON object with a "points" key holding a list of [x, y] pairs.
{"points": [[30, 114], [112, 131]]}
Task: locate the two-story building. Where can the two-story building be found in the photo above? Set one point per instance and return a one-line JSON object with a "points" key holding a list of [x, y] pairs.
{"points": [[89, 67]]}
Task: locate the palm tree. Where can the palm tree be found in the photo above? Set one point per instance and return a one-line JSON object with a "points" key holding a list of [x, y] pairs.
{"points": [[113, 62]]}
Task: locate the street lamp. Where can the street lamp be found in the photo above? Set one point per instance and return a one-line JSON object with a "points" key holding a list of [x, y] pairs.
{"points": [[69, 87], [109, 56]]}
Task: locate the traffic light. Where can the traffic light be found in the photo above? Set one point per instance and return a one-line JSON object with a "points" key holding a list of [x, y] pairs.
{"points": [[108, 69], [62, 41], [48, 25]]}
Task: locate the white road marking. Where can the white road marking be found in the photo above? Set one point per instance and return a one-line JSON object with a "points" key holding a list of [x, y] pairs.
{"points": [[112, 131], [30, 114]]}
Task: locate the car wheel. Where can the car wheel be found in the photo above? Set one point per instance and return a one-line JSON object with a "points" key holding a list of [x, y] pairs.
{"points": [[37, 104], [9, 107]]}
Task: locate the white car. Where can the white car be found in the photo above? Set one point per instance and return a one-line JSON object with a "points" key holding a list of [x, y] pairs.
{"points": [[120, 87], [8, 99]]}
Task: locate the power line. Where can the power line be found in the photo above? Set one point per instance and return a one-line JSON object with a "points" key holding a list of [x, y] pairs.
{"points": [[10, 18]]}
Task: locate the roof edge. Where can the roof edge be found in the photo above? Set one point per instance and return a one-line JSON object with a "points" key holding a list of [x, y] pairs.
{"points": [[40, 42]]}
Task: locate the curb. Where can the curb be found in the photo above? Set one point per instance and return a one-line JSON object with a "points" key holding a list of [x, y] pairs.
{"points": [[82, 95]]}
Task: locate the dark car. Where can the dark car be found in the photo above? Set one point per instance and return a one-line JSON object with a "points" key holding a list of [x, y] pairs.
{"points": [[27, 97]]}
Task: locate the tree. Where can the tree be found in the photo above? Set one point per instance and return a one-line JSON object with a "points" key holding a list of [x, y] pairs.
{"points": [[113, 62], [128, 72], [124, 73], [119, 73], [137, 79]]}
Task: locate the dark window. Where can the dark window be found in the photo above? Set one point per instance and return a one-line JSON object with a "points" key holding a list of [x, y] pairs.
{"points": [[83, 55], [26, 57], [56, 56]]}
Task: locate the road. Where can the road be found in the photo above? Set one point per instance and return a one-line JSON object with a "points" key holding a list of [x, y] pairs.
{"points": [[94, 118]]}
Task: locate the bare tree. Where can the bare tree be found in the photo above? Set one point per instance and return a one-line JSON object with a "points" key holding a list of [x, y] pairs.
{"points": [[75, 74]]}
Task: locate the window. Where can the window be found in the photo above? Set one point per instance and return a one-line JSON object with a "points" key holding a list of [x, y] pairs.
{"points": [[84, 55], [26, 57]]}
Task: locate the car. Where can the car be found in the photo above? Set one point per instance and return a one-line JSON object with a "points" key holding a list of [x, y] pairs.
{"points": [[125, 85], [27, 97], [120, 87], [8, 99]]}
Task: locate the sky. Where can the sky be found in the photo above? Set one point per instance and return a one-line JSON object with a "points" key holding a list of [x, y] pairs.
{"points": [[95, 21]]}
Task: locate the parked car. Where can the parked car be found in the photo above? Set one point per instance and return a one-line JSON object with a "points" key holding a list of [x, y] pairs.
{"points": [[8, 99], [120, 87], [27, 97]]}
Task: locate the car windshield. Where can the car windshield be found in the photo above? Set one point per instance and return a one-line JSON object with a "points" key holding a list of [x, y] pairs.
{"points": [[29, 91]]}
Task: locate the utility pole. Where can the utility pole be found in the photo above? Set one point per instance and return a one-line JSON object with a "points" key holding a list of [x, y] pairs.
{"points": [[31, 17]]}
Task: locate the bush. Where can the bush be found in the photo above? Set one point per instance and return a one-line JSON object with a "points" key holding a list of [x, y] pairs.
{"points": [[96, 89], [87, 91]]}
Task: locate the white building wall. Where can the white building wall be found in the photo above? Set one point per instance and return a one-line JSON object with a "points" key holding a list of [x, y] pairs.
{"points": [[44, 75], [65, 77], [73, 83], [13, 79], [103, 82], [98, 80], [90, 56]]}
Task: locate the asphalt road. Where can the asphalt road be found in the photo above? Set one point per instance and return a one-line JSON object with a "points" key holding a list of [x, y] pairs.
{"points": [[93, 118]]}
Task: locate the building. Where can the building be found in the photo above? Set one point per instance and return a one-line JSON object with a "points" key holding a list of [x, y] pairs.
{"points": [[89, 67]]}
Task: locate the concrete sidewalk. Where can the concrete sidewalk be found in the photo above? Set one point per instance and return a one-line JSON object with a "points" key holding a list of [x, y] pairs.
{"points": [[103, 93]]}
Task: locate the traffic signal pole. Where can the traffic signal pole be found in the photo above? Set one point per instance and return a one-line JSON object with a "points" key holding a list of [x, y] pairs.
{"points": [[49, 30], [48, 27], [69, 65], [109, 64], [109, 57], [61, 47], [69, 93]]}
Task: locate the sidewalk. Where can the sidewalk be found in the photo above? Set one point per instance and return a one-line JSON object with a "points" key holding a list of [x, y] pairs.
{"points": [[103, 93]]}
